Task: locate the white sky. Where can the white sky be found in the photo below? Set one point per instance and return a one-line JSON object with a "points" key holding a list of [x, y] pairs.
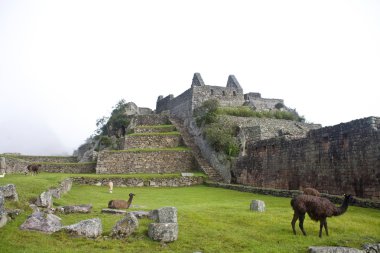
{"points": [[64, 64]]}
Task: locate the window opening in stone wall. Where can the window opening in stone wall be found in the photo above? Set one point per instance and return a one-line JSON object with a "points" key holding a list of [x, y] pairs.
{"points": [[224, 93], [212, 92], [234, 93], [345, 143], [273, 149], [325, 144]]}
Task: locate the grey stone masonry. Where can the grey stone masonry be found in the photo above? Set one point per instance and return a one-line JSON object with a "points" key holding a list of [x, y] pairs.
{"points": [[152, 141], [164, 215], [197, 80], [2, 210], [125, 227], [233, 82], [45, 200], [39, 221], [257, 205], [163, 161], [163, 232], [9, 192], [327, 249], [91, 228]]}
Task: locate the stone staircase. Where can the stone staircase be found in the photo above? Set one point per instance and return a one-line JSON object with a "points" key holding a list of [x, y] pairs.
{"points": [[154, 147], [189, 142]]}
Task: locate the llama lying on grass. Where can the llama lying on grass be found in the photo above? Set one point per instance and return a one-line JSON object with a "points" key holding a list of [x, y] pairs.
{"points": [[318, 209], [121, 204], [311, 191]]}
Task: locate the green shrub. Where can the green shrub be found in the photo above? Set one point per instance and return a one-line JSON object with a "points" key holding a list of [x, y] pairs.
{"points": [[207, 113], [222, 138]]}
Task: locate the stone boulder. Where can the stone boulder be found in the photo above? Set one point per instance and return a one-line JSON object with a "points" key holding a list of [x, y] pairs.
{"points": [[3, 219], [45, 200], [55, 192], [9, 192], [91, 228], [257, 205], [141, 214], [372, 247], [125, 227], [164, 232], [113, 211], [2, 210], [66, 185], [39, 221], [164, 215], [328, 249], [77, 209]]}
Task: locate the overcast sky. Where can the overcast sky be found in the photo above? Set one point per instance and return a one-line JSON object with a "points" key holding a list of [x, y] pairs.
{"points": [[64, 64]]}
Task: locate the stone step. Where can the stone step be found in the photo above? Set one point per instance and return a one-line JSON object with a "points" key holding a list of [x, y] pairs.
{"points": [[188, 140]]}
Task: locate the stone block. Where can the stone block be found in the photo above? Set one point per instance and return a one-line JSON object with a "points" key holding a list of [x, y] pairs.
{"points": [[327, 249], [90, 228], [125, 227], [163, 232], [9, 192], [113, 211], [257, 205], [39, 221], [45, 200], [164, 215]]}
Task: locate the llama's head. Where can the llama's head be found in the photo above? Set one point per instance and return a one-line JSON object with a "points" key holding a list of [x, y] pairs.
{"points": [[349, 199], [131, 195]]}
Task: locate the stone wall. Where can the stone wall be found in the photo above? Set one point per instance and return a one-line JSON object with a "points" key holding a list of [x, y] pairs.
{"points": [[153, 141], [164, 161], [16, 165], [143, 129], [68, 167], [344, 158], [152, 119], [46, 159], [133, 182], [227, 96]]}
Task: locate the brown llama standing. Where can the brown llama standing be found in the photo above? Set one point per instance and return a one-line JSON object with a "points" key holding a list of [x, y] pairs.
{"points": [[318, 209], [121, 204]]}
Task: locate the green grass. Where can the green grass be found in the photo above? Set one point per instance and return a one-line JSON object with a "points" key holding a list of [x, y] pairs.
{"points": [[243, 111], [210, 220]]}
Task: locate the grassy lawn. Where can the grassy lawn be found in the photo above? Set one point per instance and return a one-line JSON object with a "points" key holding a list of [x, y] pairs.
{"points": [[210, 220]]}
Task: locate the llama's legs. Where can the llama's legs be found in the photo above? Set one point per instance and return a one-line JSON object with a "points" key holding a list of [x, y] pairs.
{"points": [[323, 223], [302, 218], [327, 231], [294, 220]]}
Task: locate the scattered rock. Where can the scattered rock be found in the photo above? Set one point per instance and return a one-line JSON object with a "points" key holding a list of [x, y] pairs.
{"points": [[34, 208], [77, 209], [257, 205], [2, 210], [45, 200], [164, 232], [56, 193], [66, 185], [371, 247], [326, 249], [9, 192], [164, 215], [39, 221], [125, 226], [91, 228], [141, 214], [184, 174], [113, 211]]}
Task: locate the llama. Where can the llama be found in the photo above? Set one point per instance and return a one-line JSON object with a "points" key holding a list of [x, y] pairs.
{"points": [[110, 186], [318, 209], [121, 204], [2, 175], [311, 191], [33, 168]]}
